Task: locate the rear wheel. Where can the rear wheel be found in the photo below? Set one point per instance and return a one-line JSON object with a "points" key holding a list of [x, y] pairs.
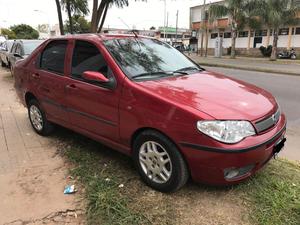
{"points": [[159, 162], [38, 119], [293, 56], [2, 64]]}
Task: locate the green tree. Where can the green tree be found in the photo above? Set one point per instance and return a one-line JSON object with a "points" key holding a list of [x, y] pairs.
{"points": [[74, 7], [80, 25], [9, 33], [24, 31], [276, 14], [238, 14]]}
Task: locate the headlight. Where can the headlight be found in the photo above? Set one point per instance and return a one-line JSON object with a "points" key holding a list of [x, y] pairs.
{"points": [[226, 131]]}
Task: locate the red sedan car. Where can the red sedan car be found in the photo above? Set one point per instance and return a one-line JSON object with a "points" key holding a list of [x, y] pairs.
{"points": [[144, 98]]}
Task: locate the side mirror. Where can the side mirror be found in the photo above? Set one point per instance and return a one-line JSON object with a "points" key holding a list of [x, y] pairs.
{"points": [[18, 55], [95, 77]]}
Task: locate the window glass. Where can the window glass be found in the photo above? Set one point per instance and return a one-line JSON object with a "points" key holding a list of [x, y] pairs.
{"points": [[297, 30], [137, 56], [30, 46], [284, 31], [87, 57], [227, 35], [18, 49], [53, 57], [13, 49], [243, 34], [214, 35]]}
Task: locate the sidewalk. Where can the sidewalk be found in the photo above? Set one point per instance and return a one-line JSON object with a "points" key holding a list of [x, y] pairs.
{"points": [[32, 175], [290, 67]]}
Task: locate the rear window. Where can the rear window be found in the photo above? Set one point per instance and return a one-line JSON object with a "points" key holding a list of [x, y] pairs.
{"points": [[53, 56]]}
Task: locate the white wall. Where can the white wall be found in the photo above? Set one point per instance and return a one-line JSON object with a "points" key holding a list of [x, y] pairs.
{"points": [[195, 14], [295, 41]]}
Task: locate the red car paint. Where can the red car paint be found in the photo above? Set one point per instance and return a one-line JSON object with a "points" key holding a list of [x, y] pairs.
{"points": [[170, 105]]}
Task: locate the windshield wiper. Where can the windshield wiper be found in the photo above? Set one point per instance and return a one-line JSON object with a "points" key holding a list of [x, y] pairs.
{"points": [[160, 74], [189, 68]]}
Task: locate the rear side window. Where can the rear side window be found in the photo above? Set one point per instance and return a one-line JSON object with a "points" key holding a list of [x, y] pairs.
{"points": [[87, 57], [53, 56]]}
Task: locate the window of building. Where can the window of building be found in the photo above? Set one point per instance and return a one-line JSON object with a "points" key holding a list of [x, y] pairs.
{"points": [[227, 35], [243, 34], [297, 30], [261, 33], [53, 56], [87, 57], [214, 35], [283, 31]]}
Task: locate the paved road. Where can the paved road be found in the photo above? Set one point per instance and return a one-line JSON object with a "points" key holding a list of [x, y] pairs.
{"points": [[286, 89]]}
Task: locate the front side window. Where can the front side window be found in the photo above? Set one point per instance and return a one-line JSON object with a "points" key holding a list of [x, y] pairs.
{"points": [[87, 57], [53, 56], [138, 56]]}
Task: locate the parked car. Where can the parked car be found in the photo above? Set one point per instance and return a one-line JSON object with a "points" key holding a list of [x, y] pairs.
{"points": [[20, 50], [144, 98], [4, 52]]}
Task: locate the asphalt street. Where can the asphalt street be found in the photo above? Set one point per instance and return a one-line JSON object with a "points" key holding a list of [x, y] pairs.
{"points": [[286, 89]]}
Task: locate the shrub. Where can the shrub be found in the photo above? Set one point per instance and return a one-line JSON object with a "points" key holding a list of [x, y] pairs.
{"points": [[266, 52]]}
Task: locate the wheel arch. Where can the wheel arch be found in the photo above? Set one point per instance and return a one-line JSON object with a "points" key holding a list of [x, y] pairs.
{"points": [[29, 96], [140, 130]]}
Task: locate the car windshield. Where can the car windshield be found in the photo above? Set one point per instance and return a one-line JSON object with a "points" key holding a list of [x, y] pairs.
{"points": [[148, 58], [29, 46]]}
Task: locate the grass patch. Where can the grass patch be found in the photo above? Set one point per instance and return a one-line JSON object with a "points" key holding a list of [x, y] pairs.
{"points": [[274, 194], [271, 197]]}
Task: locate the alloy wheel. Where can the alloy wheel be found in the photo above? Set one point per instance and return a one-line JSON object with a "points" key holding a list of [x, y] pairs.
{"points": [[36, 117], [155, 162]]}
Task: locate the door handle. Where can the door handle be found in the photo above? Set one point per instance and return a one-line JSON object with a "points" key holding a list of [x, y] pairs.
{"points": [[71, 86], [35, 76]]}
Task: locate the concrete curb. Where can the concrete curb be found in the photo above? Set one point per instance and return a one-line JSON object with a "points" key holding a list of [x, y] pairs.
{"points": [[249, 68]]}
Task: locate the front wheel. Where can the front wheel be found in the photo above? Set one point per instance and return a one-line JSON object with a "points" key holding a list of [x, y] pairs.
{"points": [[159, 162], [38, 119]]}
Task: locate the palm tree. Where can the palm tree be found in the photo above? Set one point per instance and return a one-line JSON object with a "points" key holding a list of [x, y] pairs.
{"points": [[78, 7], [277, 14], [61, 25], [236, 10], [99, 12]]}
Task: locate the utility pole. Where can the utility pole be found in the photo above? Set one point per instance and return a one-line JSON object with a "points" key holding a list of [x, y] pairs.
{"points": [[176, 25], [165, 12], [207, 31]]}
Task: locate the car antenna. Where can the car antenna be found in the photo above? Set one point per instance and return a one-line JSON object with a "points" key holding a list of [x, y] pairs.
{"points": [[130, 30]]}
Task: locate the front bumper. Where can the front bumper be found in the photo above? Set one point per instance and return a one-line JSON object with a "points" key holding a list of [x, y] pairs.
{"points": [[208, 164]]}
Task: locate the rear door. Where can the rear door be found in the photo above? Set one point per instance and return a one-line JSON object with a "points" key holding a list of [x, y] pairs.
{"points": [[49, 79], [92, 106]]}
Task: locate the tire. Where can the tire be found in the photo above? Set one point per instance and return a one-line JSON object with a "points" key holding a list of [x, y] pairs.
{"points": [[151, 161], [3, 64], [44, 127], [293, 57]]}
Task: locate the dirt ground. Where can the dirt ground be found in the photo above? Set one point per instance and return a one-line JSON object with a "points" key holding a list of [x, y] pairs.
{"points": [[32, 174]]}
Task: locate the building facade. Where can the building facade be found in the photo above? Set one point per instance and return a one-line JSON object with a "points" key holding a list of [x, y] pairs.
{"points": [[247, 42]]}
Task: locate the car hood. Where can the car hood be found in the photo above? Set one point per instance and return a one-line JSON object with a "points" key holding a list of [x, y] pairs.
{"points": [[217, 95]]}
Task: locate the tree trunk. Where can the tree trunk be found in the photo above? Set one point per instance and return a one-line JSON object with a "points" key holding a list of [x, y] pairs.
{"points": [[249, 40], [70, 16], [206, 42], [233, 40], [274, 49], [103, 17], [94, 16], [61, 25]]}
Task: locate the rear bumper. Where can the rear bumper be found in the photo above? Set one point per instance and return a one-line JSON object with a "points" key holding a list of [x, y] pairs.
{"points": [[208, 164]]}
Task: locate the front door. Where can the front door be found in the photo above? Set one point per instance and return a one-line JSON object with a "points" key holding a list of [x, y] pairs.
{"points": [[92, 106], [49, 80]]}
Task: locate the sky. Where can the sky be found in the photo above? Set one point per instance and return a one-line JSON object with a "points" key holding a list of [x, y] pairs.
{"points": [[139, 15]]}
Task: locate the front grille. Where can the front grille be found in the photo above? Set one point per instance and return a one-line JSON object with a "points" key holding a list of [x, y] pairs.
{"points": [[268, 122]]}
